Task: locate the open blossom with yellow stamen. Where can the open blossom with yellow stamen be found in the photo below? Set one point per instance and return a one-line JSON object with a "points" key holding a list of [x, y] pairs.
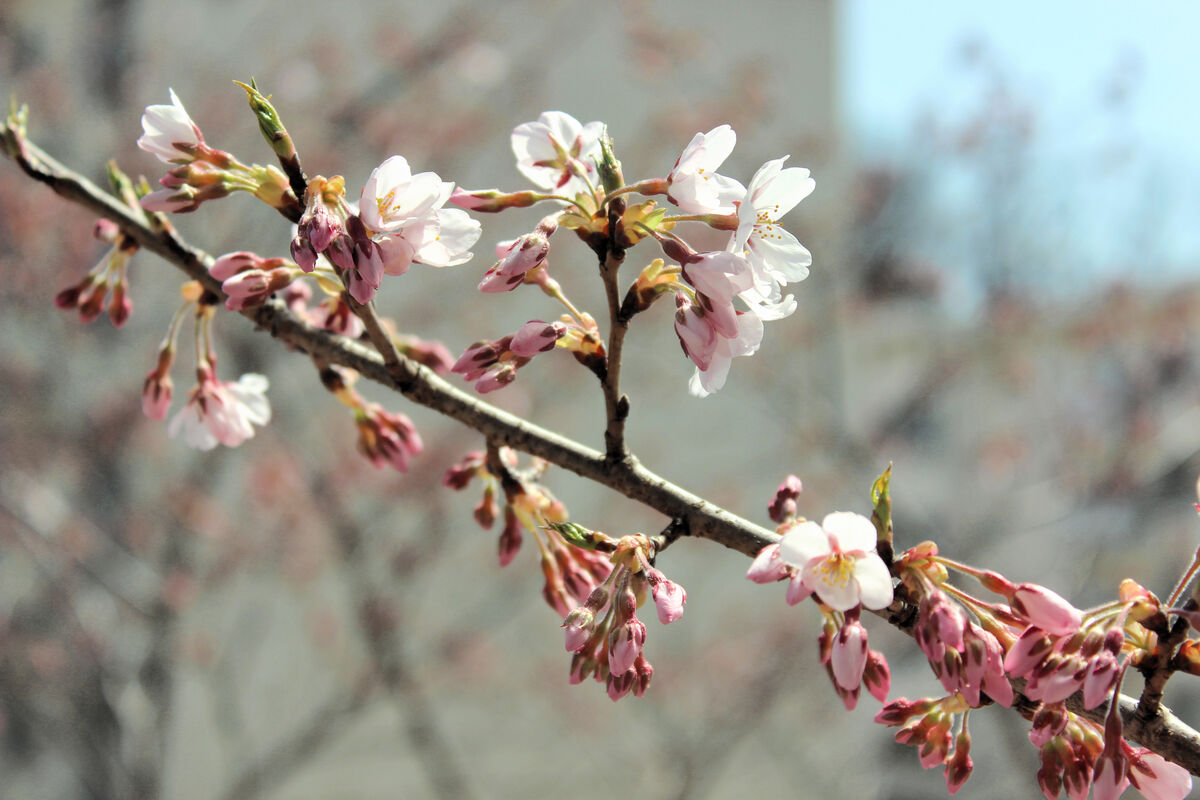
{"points": [[838, 562], [775, 256]]}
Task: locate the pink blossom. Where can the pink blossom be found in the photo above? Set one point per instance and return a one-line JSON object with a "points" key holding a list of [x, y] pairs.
{"points": [[719, 275], [838, 561], [775, 256], [625, 645], [694, 184], [221, 412], [169, 133], [558, 153]]}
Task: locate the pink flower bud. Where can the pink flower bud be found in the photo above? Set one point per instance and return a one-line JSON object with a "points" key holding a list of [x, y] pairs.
{"points": [[849, 656], [1046, 610], [625, 645], [496, 378], [491, 200], [1048, 721], [156, 395], [959, 766], [783, 506], [578, 627], [230, 264], [510, 537], [105, 230], [877, 676], [669, 597], [120, 306], [536, 337]]}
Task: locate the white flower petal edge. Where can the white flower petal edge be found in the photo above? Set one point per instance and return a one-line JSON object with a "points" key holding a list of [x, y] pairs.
{"points": [[853, 531], [163, 126], [694, 183]]}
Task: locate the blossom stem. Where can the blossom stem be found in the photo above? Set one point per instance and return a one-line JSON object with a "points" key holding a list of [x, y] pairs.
{"points": [[616, 405], [1188, 575]]}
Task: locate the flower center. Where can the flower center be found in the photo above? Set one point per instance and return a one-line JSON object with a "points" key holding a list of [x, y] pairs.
{"points": [[836, 569], [764, 225]]}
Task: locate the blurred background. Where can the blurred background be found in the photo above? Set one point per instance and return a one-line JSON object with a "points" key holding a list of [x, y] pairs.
{"points": [[1003, 304]]}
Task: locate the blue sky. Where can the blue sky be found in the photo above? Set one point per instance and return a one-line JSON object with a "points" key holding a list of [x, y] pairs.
{"points": [[1135, 164]]}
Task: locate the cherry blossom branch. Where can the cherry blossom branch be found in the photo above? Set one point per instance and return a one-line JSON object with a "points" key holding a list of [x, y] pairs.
{"points": [[420, 384], [616, 469]]}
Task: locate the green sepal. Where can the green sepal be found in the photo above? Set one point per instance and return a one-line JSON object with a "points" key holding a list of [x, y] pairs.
{"points": [[881, 516], [269, 121]]}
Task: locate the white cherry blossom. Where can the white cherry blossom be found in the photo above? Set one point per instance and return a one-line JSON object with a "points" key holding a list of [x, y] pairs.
{"points": [[164, 126], [694, 184], [406, 212], [556, 151], [775, 255], [221, 412], [838, 562]]}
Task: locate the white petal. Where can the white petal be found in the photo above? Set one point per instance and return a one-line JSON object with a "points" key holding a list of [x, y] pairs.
{"points": [[874, 582], [457, 232], [804, 542], [853, 531], [781, 253], [784, 191]]}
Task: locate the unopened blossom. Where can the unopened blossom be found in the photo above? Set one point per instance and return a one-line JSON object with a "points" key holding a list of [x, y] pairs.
{"points": [[536, 337], [1156, 778], [694, 184], [386, 438], [509, 543], [158, 388], [669, 596], [222, 412], [849, 655], [782, 507], [557, 152], [838, 562], [407, 211], [169, 133], [1046, 610], [517, 258], [775, 255]]}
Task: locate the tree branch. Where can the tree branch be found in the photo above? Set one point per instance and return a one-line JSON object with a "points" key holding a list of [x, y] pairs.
{"points": [[1161, 732]]}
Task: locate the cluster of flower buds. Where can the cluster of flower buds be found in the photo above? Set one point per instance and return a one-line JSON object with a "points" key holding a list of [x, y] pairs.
{"points": [[90, 294], [385, 438], [604, 633], [248, 279], [494, 364], [570, 572], [217, 412], [575, 161], [975, 648], [929, 725], [200, 172]]}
